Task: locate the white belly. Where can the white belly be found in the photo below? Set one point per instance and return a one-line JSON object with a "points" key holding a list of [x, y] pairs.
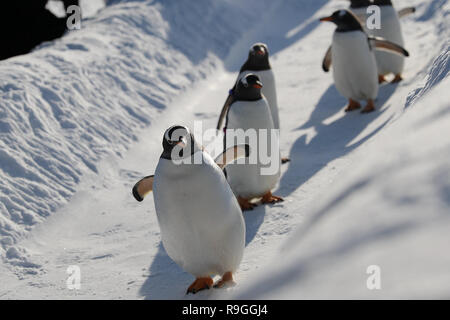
{"points": [[269, 91], [354, 66], [390, 30], [253, 180], [201, 223]]}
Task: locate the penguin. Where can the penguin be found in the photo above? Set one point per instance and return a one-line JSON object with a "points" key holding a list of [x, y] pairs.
{"points": [[258, 63], [249, 112], [359, 8], [354, 65], [390, 30], [202, 227]]}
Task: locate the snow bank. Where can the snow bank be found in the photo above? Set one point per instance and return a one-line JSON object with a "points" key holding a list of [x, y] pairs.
{"points": [[89, 7], [393, 211], [86, 96], [390, 209]]}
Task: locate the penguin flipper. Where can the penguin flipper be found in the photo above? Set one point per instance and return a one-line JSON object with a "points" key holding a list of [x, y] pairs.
{"points": [[231, 154], [406, 11], [143, 187], [327, 60], [224, 111], [385, 45]]}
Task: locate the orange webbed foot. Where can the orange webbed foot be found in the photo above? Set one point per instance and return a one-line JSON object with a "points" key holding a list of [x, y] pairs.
{"points": [[245, 204], [285, 160], [381, 79], [227, 278], [352, 105], [370, 107], [200, 284], [397, 79], [270, 198]]}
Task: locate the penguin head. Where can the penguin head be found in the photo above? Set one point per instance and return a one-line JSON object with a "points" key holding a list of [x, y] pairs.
{"points": [[258, 58], [345, 21], [248, 88], [360, 3], [178, 143], [259, 52]]}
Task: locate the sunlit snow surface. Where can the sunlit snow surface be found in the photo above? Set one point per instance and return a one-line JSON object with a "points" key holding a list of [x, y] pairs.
{"points": [[89, 7]]}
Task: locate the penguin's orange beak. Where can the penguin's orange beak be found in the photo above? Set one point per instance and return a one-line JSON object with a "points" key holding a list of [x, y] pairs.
{"points": [[257, 85], [330, 19], [260, 52], [182, 142]]}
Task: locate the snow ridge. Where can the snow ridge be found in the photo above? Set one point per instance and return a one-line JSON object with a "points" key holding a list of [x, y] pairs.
{"points": [[86, 96]]}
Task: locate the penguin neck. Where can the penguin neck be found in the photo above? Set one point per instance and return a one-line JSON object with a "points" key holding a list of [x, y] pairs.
{"points": [[348, 29], [366, 3], [360, 4], [383, 3], [247, 95], [353, 25], [252, 65]]}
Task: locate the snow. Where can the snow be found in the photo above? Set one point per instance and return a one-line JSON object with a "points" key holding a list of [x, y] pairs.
{"points": [[82, 118], [86, 96], [89, 7], [390, 210]]}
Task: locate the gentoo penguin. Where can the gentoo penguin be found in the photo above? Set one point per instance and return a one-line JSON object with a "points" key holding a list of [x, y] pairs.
{"points": [[202, 227], [249, 113], [258, 63], [354, 66], [390, 30], [359, 8]]}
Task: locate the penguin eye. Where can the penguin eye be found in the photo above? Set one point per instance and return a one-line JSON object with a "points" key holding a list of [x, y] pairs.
{"points": [[180, 139], [174, 133]]}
